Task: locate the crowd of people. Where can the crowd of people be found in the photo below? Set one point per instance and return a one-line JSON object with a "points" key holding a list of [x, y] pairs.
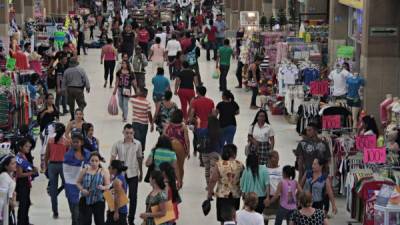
{"points": [[72, 152]]}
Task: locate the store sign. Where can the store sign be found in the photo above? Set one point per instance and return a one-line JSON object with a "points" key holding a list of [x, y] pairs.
{"points": [[331, 122], [374, 155], [383, 32], [319, 88], [365, 141], [345, 51], [249, 18], [358, 4]]}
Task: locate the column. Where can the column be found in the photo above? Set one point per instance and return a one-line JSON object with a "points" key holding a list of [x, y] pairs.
{"points": [[4, 25], [228, 13], [64, 7], [47, 6], [277, 5], [235, 15], [266, 8], [338, 28], [380, 55], [19, 11], [71, 5], [29, 9], [316, 6]]}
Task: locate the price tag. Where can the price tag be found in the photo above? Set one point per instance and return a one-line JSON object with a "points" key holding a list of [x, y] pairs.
{"points": [[320, 88], [374, 155], [365, 141], [331, 122]]}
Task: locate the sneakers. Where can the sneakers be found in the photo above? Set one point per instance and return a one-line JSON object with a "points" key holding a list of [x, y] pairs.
{"points": [[55, 215]]}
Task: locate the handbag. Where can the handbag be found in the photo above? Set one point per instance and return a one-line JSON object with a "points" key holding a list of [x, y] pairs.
{"points": [[150, 169], [126, 92], [169, 215]]}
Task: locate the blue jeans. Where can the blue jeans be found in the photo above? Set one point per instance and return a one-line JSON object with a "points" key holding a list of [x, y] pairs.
{"points": [[74, 209], [228, 134], [55, 170], [141, 133], [123, 104]]}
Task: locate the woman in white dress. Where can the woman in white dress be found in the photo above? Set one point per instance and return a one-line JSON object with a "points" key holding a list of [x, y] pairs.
{"points": [[8, 166]]}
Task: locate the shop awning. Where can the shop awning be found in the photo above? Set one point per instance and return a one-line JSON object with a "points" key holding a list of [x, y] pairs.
{"points": [[358, 4]]}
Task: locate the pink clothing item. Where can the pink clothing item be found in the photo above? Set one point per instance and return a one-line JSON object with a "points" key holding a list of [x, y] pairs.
{"points": [[109, 53], [158, 53], [288, 194], [282, 51], [383, 111]]}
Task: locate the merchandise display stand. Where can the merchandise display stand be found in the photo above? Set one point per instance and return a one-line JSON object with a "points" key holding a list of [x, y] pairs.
{"points": [[387, 215]]}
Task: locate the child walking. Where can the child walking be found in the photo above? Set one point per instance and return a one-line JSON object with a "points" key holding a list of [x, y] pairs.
{"points": [[287, 189]]}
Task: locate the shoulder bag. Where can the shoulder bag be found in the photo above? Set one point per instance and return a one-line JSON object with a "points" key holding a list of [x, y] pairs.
{"points": [[150, 169]]}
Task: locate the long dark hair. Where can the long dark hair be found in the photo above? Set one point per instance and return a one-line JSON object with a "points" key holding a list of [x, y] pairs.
{"points": [[158, 178], [289, 172], [85, 128], [164, 142], [214, 131], [170, 174], [370, 124], [118, 165], [127, 65], [228, 151], [252, 164], [59, 129], [5, 161], [258, 113]]}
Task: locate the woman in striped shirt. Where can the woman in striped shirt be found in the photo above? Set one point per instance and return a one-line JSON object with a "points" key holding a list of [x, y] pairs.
{"points": [[92, 181]]}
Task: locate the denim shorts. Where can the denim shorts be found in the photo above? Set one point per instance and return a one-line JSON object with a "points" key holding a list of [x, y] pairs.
{"points": [[354, 102], [158, 97]]}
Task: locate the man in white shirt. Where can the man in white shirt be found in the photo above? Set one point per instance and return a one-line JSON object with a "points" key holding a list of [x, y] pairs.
{"points": [[338, 78], [129, 151], [173, 47], [248, 215], [162, 35]]}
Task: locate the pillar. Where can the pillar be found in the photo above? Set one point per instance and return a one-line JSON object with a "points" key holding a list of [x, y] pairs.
{"points": [[4, 24], [277, 5], [380, 55], [64, 7], [228, 13], [235, 23], [316, 6], [30, 9], [48, 6], [71, 5], [338, 28], [266, 8], [19, 11]]}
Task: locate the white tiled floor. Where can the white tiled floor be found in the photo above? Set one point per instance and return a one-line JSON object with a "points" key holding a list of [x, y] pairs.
{"points": [[108, 129]]}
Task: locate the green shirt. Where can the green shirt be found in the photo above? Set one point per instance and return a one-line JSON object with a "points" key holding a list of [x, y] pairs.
{"points": [[163, 155], [225, 54], [258, 185]]}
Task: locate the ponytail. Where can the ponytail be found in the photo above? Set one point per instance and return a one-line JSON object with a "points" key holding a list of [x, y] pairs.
{"points": [[289, 172]]}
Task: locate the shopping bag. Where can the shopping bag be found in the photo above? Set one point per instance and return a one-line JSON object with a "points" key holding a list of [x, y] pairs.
{"points": [[113, 106], [110, 199], [169, 216], [216, 74]]}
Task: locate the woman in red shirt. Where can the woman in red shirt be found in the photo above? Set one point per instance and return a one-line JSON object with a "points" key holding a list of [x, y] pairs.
{"points": [[54, 157]]}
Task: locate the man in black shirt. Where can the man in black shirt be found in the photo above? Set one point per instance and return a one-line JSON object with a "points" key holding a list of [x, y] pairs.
{"points": [[62, 65], [309, 148]]}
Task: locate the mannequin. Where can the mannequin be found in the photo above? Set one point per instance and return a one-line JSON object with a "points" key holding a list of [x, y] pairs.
{"points": [[383, 111], [338, 78], [355, 84], [389, 110], [391, 135], [395, 111]]}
